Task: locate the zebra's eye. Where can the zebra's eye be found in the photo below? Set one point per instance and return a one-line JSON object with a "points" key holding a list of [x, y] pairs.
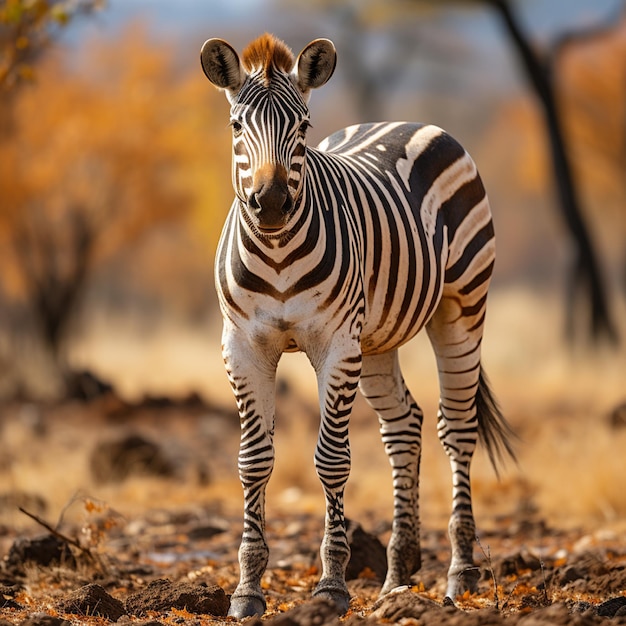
{"points": [[304, 126], [237, 128]]}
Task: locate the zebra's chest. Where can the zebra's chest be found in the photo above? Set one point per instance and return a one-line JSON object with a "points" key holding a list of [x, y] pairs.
{"points": [[290, 306], [288, 326]]}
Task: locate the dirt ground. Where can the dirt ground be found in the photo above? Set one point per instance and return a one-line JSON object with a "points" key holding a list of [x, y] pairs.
{"points": [[131, 505], [143, 527]]}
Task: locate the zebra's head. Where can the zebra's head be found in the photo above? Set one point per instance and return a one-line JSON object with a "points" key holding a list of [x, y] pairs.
{"points": [[268, 90]]}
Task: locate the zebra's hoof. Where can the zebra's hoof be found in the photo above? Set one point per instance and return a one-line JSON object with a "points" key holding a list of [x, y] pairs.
{"points": [[339, 597], [246, 606], [458, 583]]}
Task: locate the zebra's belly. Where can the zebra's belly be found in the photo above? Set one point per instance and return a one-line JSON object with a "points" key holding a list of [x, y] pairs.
{"points": [[388, 337]]}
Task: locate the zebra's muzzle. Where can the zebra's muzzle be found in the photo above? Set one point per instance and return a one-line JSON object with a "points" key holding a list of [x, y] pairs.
{"points": [[270, 202]]}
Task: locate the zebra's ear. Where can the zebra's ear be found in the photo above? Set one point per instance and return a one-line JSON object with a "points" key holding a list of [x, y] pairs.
{"points": [[221, 65], [315, 65]]}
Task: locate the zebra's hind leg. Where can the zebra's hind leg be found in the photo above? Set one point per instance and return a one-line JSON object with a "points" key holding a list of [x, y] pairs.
{"points": [[455, 332], [400, 426]]}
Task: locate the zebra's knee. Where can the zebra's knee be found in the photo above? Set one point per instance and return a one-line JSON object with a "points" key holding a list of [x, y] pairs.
{"points": [[458, 434], [332, 468], [256, 469]]}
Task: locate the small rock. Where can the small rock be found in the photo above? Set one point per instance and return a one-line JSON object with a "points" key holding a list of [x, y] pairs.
{"points": [[617, 417], [610, 607], [316, 612], [516, 562], [195, 597], [556, 614], [581, 606], [92, 600], [204, 531], [570, 574], [367, 553]]}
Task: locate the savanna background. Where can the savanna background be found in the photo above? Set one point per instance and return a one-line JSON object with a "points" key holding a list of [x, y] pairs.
{"points": [[115, 181]]}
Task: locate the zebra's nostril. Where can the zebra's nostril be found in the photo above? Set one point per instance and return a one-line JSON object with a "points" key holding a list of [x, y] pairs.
{"points": [[253, 202]]}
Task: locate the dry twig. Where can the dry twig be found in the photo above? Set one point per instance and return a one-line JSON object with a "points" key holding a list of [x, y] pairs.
{"points": [[69, 540]]}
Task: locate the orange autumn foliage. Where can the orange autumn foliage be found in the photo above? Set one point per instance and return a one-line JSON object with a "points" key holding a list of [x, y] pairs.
{"points": [[118, 141], [593, 99]]}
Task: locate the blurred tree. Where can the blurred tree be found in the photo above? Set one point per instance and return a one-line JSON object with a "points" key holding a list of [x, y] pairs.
{"points": [[593, 105], [113, 155], [370, 65], [586, 281]]}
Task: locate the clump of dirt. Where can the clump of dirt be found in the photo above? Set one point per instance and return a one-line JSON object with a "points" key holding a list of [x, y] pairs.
{"points": [[162, 595], [92, 600], [407, 604], [316, 612], [129, 455], [368, 556], [591, 572], [45, 551]]}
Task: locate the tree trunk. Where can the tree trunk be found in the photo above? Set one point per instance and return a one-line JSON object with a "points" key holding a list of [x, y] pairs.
{"points": [[585, 279]]}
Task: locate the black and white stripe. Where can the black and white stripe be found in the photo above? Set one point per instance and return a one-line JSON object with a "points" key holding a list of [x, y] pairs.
{"points": [[386, 230]]}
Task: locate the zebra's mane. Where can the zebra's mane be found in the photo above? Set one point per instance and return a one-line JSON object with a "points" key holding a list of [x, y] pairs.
{"points": [[268, 54]]}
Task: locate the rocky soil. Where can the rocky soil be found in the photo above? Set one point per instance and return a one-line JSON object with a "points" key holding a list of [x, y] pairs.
{"points": [[178, 564], [179, 567]]}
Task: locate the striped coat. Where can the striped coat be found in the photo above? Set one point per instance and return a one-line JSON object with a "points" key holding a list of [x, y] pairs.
{"points": [[345, 252]]}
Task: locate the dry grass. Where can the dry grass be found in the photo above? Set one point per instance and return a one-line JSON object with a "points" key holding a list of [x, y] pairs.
{"points": [[571, 463]]}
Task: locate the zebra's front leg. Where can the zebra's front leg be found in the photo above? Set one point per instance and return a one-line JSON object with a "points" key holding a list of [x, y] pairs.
{"points": [[252, 376], [338, 383]]}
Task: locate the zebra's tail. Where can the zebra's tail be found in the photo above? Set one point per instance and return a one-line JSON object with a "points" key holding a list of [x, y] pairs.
{"points": [[493, 429]]}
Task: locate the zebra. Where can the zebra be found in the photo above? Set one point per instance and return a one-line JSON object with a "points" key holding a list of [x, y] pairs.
{"points": [[345, 252]]}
